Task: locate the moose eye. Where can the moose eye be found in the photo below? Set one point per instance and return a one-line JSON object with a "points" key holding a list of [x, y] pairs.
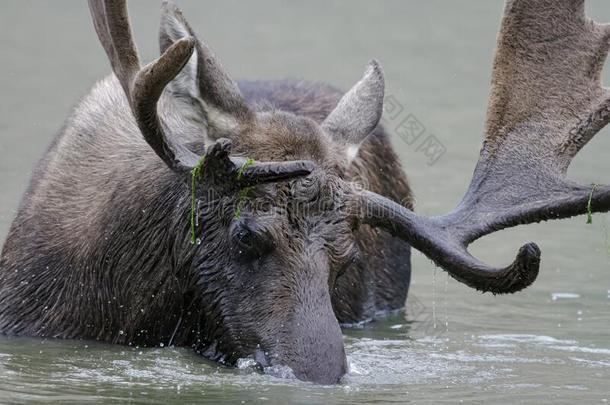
{"points": [[245, 239], [250, 245]]}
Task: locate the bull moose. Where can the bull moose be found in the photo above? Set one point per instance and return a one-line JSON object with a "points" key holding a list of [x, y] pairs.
{"points": [[180, 207]]}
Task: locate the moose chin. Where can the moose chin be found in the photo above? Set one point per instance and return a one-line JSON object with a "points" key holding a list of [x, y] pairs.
{"points": [[179, 207]]}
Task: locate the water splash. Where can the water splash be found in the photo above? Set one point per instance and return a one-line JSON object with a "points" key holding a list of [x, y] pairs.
{"points": [[283, 372], [246, 363]]}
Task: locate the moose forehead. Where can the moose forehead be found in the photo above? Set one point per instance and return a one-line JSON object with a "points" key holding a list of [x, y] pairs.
{"points": [[283, 136], [320, 193], [311, 207]]}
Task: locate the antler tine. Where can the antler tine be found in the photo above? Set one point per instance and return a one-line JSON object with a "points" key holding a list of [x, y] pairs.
{"points": [[147, 89], [546, 103], [265, 172], [111, 23], [143, 87], [444, 247]]}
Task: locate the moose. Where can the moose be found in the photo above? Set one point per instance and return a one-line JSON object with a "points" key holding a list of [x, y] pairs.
{"points": [[179, 207]]}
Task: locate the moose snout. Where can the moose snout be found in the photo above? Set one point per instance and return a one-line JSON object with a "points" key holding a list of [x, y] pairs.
{"points": [[322, 356], [313, 344], [314, 354]]}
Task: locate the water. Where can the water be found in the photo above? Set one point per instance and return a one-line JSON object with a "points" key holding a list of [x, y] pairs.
{"points": [[550, 343]]}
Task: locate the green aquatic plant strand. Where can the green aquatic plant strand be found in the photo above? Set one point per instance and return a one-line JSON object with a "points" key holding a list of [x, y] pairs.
{"points": [[195, 174], [244, 166], [589, 210], [243, 193], [241, 201]]}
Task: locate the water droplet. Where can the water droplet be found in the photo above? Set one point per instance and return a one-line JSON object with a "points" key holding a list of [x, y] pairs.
{"points": [[445, 303], [434, 298]]}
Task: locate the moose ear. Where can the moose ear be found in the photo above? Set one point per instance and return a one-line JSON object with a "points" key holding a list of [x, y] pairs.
{"points": [[207, 91], [358, 112], [173, 28]]}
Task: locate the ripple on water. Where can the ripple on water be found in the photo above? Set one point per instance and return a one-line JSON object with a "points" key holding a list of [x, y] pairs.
{"points": [[377, 365]]}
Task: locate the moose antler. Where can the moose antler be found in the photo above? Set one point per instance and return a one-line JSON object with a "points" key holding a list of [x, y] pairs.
{"points": [[546, 103], [144, 87]]}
